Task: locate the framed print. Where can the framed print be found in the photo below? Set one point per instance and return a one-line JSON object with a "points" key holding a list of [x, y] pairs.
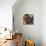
{"points": [[28, 19]]}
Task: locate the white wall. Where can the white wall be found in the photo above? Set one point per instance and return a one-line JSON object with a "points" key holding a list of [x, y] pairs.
{"points": [[43, 22], [29, 31], [6, 13]]}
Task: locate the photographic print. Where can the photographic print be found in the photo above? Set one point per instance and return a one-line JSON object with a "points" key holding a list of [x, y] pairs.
{"points": [[28, 19]]}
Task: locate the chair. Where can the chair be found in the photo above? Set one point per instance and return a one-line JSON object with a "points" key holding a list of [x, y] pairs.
{"points": [[29, 43], [18, 39]]}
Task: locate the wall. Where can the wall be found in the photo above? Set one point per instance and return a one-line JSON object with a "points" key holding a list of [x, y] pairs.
{"points": [[29, 31], [6, 13], [43, 22], [6, 16]]}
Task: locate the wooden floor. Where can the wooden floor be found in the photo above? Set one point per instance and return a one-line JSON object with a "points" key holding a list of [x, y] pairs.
{"points": [[9, 43]]}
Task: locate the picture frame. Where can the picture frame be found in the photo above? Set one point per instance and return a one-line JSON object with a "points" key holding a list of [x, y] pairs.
{"points": [[28, 19]]}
